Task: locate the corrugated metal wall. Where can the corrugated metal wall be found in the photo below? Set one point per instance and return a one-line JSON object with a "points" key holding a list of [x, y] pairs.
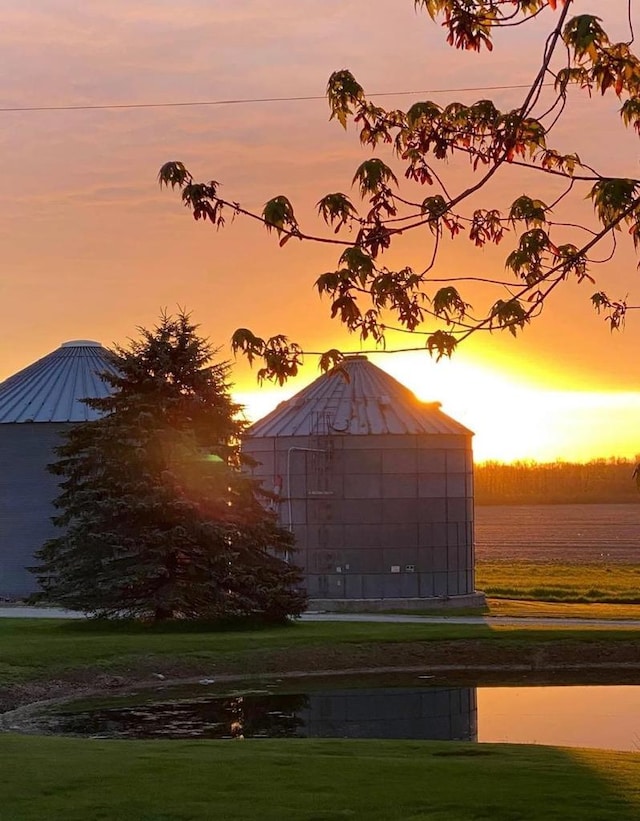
{"points": [[375, 516], [27, 490]]}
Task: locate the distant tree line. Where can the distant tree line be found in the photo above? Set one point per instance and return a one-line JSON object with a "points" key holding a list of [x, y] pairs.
{"points": [[599, 481]]}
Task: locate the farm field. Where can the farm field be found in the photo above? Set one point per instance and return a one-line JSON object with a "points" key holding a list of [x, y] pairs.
{"points": [[567, 534], [617, 584]]}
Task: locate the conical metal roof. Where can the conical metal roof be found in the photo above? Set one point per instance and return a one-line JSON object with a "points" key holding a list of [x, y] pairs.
{"points": [[357, 398], [51, 389]]}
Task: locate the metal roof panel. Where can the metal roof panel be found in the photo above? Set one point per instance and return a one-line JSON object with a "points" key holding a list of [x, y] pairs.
{"points": [[52, 389], [356, 398]]}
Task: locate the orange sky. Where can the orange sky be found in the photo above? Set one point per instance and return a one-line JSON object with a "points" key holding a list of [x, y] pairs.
{"points": [[91, 247]]}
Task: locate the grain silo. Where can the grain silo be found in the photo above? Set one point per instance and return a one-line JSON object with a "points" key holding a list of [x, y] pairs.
{"points": [[36, 406], [377, 488]]}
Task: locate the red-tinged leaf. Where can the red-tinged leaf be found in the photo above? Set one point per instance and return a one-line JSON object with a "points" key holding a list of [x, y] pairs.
{"points": [[284, 240]]}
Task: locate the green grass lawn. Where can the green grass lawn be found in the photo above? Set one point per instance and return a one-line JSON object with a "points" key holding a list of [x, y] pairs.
{"points": [[538, 581], [61, 779], [303, 780], [37, 648], [67, 779]]}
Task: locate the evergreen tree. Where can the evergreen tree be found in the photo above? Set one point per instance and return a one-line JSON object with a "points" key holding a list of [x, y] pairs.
{"points": [[159, 519]]}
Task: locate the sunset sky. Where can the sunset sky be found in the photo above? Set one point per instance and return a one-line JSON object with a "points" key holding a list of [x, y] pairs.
{"points": [[92, 248]]}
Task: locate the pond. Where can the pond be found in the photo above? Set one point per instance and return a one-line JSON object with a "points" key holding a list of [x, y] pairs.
{"points": [[607, 717]]}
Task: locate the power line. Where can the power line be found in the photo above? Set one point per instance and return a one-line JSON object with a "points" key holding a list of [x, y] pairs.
{"points": [[245, 100]]}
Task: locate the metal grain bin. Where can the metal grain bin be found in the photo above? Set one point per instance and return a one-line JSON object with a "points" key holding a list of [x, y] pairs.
{"points": [[377, 487], [36, 406]]}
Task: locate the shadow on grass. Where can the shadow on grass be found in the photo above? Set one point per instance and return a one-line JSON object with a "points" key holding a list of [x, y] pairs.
{"points": [[137, 626], [249, 634], [296, 632]]}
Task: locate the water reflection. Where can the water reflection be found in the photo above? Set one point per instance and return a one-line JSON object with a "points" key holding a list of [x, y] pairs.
{"points": [[596, 716], [416, 713], [599, 716], [436, 713], [242, 716]]}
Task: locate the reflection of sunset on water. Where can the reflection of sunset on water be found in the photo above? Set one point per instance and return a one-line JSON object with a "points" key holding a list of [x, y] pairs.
{"points": [[599, 717]]}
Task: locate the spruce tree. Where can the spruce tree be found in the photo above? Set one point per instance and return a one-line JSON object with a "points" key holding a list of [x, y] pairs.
{"points": [[160, 521]]}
